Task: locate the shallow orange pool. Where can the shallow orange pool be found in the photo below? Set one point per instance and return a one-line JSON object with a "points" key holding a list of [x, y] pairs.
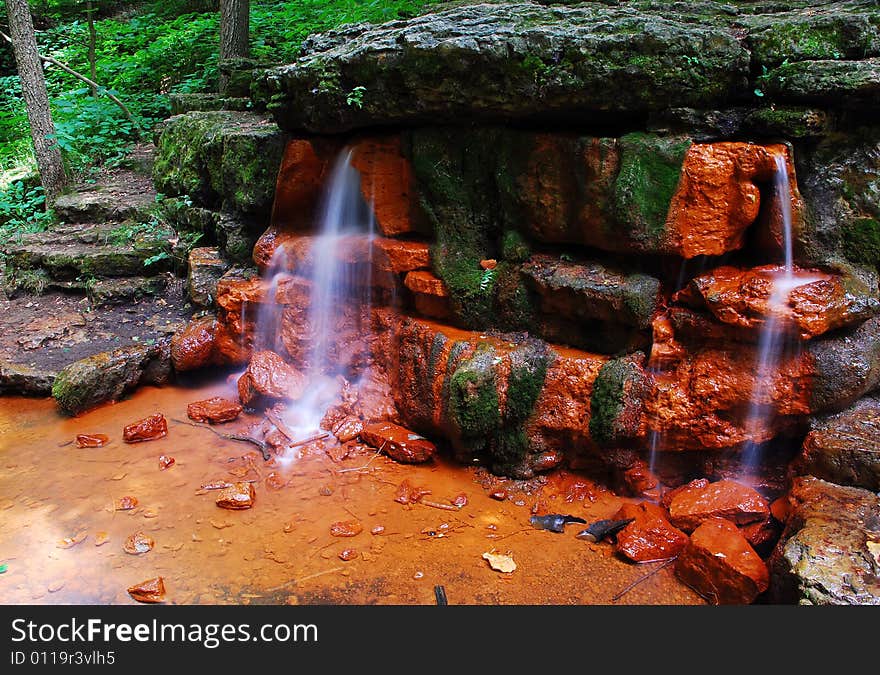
{"points": [[62, 538]]}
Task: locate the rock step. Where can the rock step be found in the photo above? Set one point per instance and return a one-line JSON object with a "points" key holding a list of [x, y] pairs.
{"points": [[66, 254], [184, 103]]}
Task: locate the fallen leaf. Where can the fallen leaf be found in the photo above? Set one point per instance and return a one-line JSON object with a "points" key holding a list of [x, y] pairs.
{"points": [[119, 476], [151, 590], [500, 562]]}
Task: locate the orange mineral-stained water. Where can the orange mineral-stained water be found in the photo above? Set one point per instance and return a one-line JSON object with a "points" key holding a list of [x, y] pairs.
{"points": [[324, 528]]}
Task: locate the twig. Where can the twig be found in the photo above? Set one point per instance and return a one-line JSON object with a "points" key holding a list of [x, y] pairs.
{"points": [[359, 468], [294, 582], [641, 579], [438, 505], [281, 426], [94, 85], [510, 534], [306, 441], [231, 437]]}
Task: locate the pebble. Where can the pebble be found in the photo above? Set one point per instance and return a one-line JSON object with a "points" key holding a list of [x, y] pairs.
{"points": [[418, 575]]}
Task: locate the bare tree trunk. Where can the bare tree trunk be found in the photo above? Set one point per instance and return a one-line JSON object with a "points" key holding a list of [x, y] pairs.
{"points": [[234, 32], [93, 39], [36, 98]]}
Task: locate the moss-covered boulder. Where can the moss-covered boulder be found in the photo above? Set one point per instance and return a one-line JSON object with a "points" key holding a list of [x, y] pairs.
{"points": [[220, 159], [109, 376], [616, 404]]}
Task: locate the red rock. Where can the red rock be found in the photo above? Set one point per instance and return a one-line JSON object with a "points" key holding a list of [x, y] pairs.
{"points": [[275, 481], [214, 410], [762, 533], [192, 347], [460, 500], [498, 495], [138, 543], [388, 183], [547, 461], [651, 536], [780, 509], [271, 376], [125, 503], [399, 256], [91, 440], [398, 443], [346, 528], [746, 298], [430, 296], [347, 554], [347, 429], [236, 496], [727, 499], [165, 461], [409, 494], [489, 264], [148, 429], [697, 483], [719, 564], [151, 590], [304, 168]]}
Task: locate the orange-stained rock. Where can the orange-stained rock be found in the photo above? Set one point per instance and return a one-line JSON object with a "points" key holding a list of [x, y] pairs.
{"points": [[192, 347], [426, 283], [387, 182], [304, 168], [271, 376], [727, 499], [347, 429], [346, 528], [719, 564], [151, 590], [237, 496], [138, 543], [651, 536], [748, 298], [213, 410], [761, 534], [92, 440], [780, 509], [400, 256], [668, 496], [148, 429], [401, 445]]}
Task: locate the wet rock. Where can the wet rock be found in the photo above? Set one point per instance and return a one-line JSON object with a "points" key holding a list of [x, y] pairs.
{"points": [[844, 448], [387, 182], [92, 440], [827, 81], [165, 461], [215, 410], [399, 256], [825, 556], [109, 376], [761, 535], [270, 376], [398, 443], [138, 543], [743, 298], [650, 536], [151, 590], [409, 494], [125, 503], [148, 429], [719, 564], [347, 429], [348, 554], [696, 484], [845, 367], [430, 295], [346, 528], [22, 380], [236, 496], [204, 271], [499, 61], [726, 499], [125, 290], [304, 167], [616, 401], [192, 347], [575, 299]]}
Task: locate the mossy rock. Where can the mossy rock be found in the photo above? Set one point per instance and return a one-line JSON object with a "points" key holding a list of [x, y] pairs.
{"points": [[617, 400]]}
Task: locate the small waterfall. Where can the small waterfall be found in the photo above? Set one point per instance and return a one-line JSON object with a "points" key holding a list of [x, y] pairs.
{"points": [[336, 267]]}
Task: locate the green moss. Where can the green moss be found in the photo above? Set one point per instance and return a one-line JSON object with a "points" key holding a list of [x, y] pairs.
{"points": [[861, 241], [473, 396], [640, 298], [516, 307], [607, 400], [528, 369], [650, 167], [788, 122], [514, 247]]}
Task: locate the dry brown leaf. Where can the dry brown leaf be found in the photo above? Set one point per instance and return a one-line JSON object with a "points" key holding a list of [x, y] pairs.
{"points": [[500, 562]]}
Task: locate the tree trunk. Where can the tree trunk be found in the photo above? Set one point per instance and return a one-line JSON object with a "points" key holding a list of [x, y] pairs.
{"points": [[234, 32], [93, 39], [36, 98]]}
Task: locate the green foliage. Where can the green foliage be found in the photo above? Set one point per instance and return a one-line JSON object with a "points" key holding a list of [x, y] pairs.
{"points": [[356, 97], [22, 209]]}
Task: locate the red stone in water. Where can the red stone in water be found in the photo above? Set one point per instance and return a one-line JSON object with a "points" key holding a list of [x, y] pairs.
{"points": [[91, 440], [725, 499], [398, 443], [499, 495], [138, 543], [192, 347], [409, 494], [719, 564], [236, 496], [151, 590], [346, 528], [761, 533], [347, 554], [165, 461], [274, 481], [348, 429], [271, 376], [378, 529], [213, 410], [460, 500], [125, 503], [697, 483], [148, 429], [780, 509], [651, 536]]}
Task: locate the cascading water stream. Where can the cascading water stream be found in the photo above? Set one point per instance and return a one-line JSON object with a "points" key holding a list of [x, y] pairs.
{"points": [[337, 269]]}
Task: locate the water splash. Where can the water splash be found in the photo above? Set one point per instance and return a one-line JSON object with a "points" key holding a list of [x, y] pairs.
{"points": [[336, 267]]}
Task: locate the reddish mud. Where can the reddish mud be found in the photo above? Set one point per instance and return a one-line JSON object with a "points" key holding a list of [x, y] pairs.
{"points": [[282, 549]]}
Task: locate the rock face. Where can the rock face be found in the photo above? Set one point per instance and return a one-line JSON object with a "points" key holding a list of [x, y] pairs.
{"points": [[268, 375], [726, 499], [110, 375], [204, 271], [844, 448], [828, 552], [720, 565]]}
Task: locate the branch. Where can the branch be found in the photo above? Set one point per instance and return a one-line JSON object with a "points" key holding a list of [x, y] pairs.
{"points": [[91, 83]]}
